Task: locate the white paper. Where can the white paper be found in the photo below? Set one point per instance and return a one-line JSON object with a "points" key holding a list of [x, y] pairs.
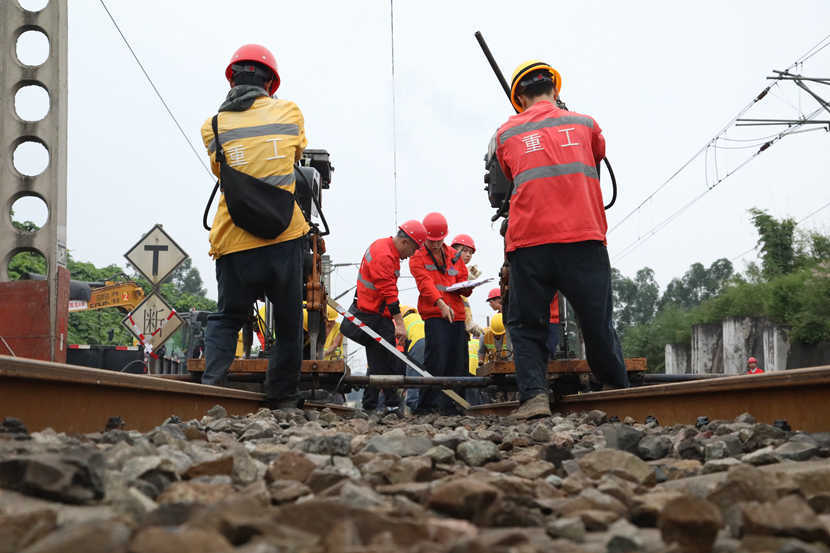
{"points": [[468, 284]]}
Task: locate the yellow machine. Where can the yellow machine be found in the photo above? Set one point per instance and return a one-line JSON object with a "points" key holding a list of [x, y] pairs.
{"points": [[124, 296]]}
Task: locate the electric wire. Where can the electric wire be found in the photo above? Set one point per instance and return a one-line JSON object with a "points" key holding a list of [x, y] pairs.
{"points": [[156, 90], [665, 222], [804, 57], [394, 111]]}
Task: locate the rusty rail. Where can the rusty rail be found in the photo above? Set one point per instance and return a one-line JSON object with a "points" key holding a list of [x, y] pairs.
{"points": [[68, 398], [78, 399], [801, 396]]}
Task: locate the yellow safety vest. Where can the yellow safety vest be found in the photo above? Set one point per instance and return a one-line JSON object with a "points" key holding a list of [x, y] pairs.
{"points": [[263, 141], [472, 348], [414, 328]]}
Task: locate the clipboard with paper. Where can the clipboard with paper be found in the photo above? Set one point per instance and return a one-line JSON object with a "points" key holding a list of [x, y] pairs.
{"points": [[468, 284]]}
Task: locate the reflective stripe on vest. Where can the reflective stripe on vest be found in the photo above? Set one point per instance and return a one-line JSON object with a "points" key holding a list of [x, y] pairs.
{"points": [[430, 267], [555, 171], [546, 123], [258, 130], [441, 287], [365, 282], [452, 271]]}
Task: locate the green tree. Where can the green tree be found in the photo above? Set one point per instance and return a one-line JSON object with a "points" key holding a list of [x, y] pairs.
{"points": [[698, 284], [776, 240], [635, 300]]}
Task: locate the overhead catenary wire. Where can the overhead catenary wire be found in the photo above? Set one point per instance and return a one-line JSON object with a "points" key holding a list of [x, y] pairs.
{"points": [[662, 224], [823, 43], [156, 90], [394, 112]]}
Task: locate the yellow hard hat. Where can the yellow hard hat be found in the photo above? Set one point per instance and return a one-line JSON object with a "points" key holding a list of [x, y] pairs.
{"points": [[497, 324], [406, 309], [524, 69], [331, 313]]}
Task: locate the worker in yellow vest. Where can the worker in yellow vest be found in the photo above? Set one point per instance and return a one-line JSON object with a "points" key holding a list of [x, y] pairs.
{"points": [[495, 345], [415, 343], [333, 348]]}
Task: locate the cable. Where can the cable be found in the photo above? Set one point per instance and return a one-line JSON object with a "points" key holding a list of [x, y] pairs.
{"points": [[153, 85], [804, 57], [691, 159], [665, 222], [394, 111]]}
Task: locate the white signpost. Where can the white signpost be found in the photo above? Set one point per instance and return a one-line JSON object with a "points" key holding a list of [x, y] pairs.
{"points": [[156, 255], [153, 321]]}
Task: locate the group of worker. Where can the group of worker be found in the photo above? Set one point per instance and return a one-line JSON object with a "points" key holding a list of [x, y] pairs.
{"points": [[555, 241]]}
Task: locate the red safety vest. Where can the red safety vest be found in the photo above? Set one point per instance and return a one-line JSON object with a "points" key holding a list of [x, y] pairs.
{"points": [[756, 370], [433, 281], [554, 309], [552, 157], [377, 279]]}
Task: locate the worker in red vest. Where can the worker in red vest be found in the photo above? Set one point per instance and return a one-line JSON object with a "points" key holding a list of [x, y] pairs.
{"points": [[494, 299], [436, 267], [752, 366], [554, 328], [378, 306], [555, 238]]}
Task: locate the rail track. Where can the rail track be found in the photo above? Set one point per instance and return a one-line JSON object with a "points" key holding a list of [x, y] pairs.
{"points": [[75, 399]]}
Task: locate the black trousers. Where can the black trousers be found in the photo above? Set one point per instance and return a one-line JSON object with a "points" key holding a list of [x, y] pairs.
{"points": [[582, 272], [445, 354], [379, 360], [242, 277]]}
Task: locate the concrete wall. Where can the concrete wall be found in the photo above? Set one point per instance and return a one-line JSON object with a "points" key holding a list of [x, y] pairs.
{"points": [[678, 359], [707, 348], [742, 338], [776, 347], [808, 355]]}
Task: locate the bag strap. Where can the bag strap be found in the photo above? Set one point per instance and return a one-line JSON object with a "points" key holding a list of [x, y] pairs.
{"points": [[220, 153], [220, 158]]}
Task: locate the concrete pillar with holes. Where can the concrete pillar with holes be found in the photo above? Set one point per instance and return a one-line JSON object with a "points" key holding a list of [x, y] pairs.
{"points": [[33, 314]]}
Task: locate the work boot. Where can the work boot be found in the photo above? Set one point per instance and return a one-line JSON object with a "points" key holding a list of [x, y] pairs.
{"points": [[535, 407]]}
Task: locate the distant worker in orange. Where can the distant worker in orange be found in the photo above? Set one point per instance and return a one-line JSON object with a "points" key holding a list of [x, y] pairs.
{"points": [[752, 366], [554, 328], [466, 247], [436, 267], [494, 299], [377, 305]]}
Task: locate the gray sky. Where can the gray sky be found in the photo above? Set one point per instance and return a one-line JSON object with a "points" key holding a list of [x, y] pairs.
{"points": [[661, 79]]}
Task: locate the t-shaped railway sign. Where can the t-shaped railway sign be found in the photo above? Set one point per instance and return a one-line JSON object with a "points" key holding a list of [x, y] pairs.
{"points": [[155, 256]]}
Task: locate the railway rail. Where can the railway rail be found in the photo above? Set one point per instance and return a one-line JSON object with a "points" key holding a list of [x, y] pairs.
{"points": [[78, 399]]}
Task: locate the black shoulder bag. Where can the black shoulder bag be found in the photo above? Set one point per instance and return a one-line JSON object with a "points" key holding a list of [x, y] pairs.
{"points": [[260, 208]]}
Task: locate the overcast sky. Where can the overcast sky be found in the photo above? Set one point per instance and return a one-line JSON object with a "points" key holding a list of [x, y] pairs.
{"points": [[661, 78]]}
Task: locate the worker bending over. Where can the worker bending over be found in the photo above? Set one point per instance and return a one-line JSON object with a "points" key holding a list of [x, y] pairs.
{"points": [[253, 143], [378, 306], [436, 267], [494, 299], [555, 238]]}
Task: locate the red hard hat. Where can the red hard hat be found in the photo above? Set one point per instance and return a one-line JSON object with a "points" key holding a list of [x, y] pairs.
{"points": [[464, 240], [415, 230], [495, 293], [751, 360], [436, 226], [261, 54]]}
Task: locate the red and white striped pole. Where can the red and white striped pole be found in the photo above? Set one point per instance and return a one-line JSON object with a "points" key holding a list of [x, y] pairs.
{"points": [[377, 338]]}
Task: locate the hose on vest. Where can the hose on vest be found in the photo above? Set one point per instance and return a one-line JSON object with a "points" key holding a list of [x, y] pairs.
{"points": [[500, 76]]}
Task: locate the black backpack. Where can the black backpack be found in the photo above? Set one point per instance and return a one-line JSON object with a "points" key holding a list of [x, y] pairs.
{"points": [[260, 208]]}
